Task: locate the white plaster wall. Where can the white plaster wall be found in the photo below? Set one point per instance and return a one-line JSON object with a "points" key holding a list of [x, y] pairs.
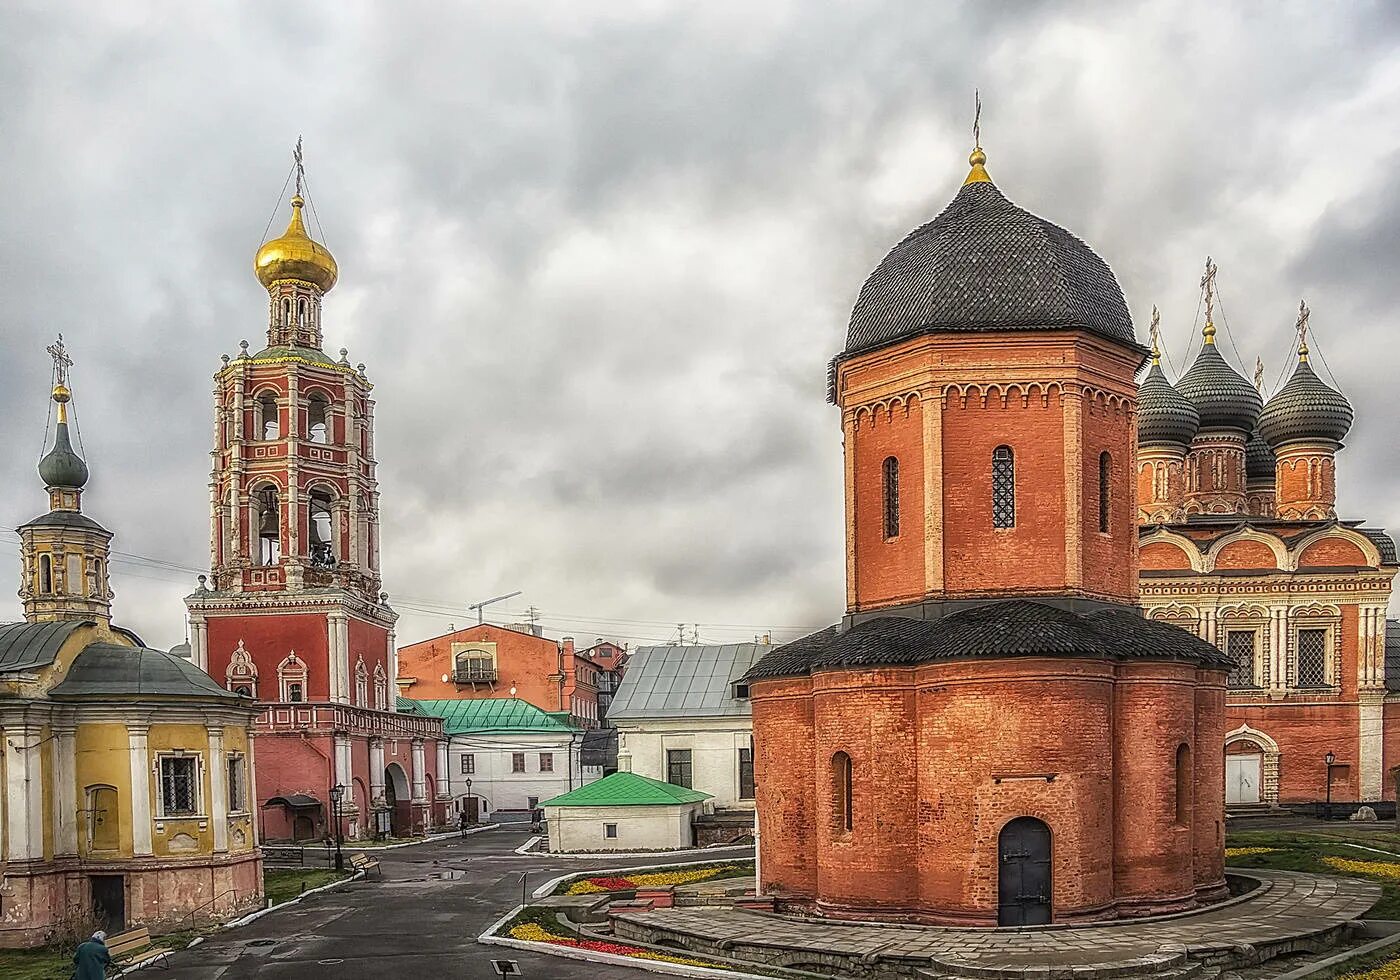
{"points": [[714, 745], [639, 828], [494, 782]]}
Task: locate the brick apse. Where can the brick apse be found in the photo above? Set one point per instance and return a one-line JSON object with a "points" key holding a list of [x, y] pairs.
{"points": [[993, 734]]}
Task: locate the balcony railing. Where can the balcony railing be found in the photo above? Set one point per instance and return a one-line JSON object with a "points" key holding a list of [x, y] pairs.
{"points": [[474, 675]]}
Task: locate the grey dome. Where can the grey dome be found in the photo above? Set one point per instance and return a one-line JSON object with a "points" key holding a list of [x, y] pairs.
{"points": [[1259, 460], [1305, 410], [63, 467], [1166, 417], [1224, 399], [982, 265]]}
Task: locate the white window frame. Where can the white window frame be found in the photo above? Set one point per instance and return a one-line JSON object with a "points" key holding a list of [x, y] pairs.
{"points": [[200, 812], [230, 760], [468, 764], [1260, 655], [1331, 652]]}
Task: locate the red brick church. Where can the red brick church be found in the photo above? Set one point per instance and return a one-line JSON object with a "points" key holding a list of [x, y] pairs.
{"points": [[293, 616], [993, 734]]}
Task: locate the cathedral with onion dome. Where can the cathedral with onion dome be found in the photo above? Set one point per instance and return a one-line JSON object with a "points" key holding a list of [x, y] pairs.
{"points": [[994, 734], [1241, 544]]}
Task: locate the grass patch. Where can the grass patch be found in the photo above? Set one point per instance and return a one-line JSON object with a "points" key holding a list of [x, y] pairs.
{"points": [[281, 885], [731, 869], [1306, 851], [36, 964]]}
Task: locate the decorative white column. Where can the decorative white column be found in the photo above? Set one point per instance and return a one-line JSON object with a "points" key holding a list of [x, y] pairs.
{"points": [[24, 831], [444, 780], [1278, 643], [342, 762], [140, 789], [376, 771], [218, 789], [338, 635], [250, 776], [65, 806], [199, 642], [420, 784]]}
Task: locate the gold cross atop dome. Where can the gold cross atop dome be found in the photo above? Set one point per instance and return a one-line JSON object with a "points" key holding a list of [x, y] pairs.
{"points": [[978, 159], [1155, 332], [1208, 284], [1302, 328], [61, 363]]}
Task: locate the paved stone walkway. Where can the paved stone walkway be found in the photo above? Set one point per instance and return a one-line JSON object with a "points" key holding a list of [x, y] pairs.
{"points": [[1286, 908]]}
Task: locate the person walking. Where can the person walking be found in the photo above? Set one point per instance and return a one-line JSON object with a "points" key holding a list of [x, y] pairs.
{"points": [[462, 823], [92, 958]]}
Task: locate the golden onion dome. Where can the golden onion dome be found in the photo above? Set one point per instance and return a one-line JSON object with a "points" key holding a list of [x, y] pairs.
{"points": [[296, 256]]}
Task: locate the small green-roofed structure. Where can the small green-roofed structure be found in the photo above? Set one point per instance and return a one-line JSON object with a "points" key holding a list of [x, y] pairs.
{"points": [[628, 789], [460, 716], [624, 812]]}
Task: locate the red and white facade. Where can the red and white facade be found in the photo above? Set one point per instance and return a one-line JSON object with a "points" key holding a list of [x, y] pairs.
{"points": [[294, 615]]}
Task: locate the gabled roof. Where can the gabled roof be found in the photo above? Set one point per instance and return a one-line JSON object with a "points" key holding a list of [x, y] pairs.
{"points": [[27, 646], [628, 789], [685, 682], [461, 715]]}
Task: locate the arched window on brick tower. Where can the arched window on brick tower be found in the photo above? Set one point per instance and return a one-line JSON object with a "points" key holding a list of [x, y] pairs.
{"points": [[318, 415], [842, 803], [269, 425], [242, 673], [267, 522], [361, 684], [1003, 487], [891, 491], [381, 688], [321, 521], [1105, 489]]}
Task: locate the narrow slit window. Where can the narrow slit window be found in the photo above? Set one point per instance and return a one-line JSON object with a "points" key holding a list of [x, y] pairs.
{"points": [[844, 809], [45, 575], [1105, 489], [1003, 487], [891, 485]]}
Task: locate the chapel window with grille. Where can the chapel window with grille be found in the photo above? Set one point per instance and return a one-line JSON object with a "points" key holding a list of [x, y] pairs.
{"points": [[891, 485], [1312, 658], [1239, 647], [1003, 487], [177, 786]]}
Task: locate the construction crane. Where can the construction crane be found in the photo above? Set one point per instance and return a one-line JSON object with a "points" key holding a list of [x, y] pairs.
{"points": [[478, 606]]}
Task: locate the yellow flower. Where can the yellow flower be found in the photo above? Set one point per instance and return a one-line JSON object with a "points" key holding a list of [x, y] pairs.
{"points": [[532, 931], [584, 887], [1236, 852], [1375, 869], [1386, 971]]}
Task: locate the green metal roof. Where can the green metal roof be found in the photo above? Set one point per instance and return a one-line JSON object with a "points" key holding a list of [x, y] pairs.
{"points": [[461, 715], [28, 646], [628, 789]]}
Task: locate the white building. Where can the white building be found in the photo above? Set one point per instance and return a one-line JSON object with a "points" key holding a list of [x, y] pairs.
{"points": [[505, 754], [624, 812], [679, 721]]}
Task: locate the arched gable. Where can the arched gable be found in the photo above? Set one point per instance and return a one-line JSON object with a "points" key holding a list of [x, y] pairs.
{"points": [[1336, 546], [1191, 557], [1160, 555], [1247, 548]]}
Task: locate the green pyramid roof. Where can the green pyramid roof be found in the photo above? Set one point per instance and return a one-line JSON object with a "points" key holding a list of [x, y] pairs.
{"points": [[628, 789], [485, 715]]}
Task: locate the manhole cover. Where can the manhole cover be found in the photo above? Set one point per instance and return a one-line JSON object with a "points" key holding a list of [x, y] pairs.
{"points": [[448, 875], [262, 942]]}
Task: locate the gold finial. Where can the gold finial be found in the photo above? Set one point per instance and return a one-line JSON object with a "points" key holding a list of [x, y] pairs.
{"points": [[61, 363], [1155, 332], [1302, 328], [296, 158], [978, 159], [1208, 284]]}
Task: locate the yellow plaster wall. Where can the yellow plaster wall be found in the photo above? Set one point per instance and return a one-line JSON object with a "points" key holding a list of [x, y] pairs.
{"points": [[190, 738], [236, 740], [103, 758]]}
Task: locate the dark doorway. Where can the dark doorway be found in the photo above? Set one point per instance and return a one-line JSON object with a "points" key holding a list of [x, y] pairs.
{"points": [[109, 901], [303, 828], [1023, 877], [469, 806]]}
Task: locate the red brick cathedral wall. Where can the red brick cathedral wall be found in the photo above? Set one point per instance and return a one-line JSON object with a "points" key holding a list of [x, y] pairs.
{"points": [[269, 639]]}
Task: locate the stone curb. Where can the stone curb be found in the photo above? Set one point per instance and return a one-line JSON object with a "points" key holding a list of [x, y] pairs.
{"points": [[1313, 969], [489, 938], [608, 855], [448, 835], [268, 911], [544, 890]]}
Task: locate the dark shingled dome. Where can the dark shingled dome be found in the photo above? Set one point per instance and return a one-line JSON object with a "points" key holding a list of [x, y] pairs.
{"points": [[1305, 410], [1166, 417], [1259, 460], [1224, 399], [63, 467], [1012, 628], [984, 264]]}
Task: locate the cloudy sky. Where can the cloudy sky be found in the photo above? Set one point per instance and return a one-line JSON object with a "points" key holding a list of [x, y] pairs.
{"points": [[596, 256]]}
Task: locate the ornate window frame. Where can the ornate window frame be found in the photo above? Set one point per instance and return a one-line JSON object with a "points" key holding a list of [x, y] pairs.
{"points": [[291, 671], [197, 789], [1326, 618]]}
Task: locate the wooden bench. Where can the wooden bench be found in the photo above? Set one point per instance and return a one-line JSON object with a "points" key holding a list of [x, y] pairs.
{"points": [[134, 946], [365, 863]]}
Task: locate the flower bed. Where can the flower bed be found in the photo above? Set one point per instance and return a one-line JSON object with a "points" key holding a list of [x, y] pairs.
{"points": [[1389, 870], [679, 876], [1239, 852], [533, 932], [1386, 971]]}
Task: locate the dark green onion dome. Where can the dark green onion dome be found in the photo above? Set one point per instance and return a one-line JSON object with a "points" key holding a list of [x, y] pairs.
{"points": [[986, 265], [1259, 460], [1224, 399], [1305, 410], [1166, 417], [63, 467]]}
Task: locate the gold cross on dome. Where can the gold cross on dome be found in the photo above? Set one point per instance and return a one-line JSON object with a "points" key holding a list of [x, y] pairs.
{"points": [[1208, 284], [977, 118], [1302, 327], [1259, 374], [61, 361], [1155, 331], [296, 156]]}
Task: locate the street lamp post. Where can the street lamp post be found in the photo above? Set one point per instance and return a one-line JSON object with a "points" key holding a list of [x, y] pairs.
{"points": [[1329, 758], [466, 808], [337, 792]]}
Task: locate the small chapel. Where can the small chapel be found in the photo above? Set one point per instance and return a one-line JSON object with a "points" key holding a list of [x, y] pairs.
{"points": [[993, 734], [127, 773]]}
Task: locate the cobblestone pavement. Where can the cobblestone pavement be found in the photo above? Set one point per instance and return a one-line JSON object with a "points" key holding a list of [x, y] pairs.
{"points": [[1288, 905]]}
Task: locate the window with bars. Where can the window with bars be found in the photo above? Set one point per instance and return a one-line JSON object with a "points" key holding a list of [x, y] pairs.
{"points": [[678, 767], [1239, 647], [1312, 658], [891, 498], [746, 787], [1003, 487], [237, 789], [177, 786], [1105, 489]]}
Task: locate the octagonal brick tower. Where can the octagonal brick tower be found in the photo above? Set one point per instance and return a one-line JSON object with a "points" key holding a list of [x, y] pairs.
{"points": [[992, 734]]}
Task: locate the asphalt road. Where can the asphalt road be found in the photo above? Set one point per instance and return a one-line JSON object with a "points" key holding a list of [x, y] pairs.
{"points": [[406, 925]]}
